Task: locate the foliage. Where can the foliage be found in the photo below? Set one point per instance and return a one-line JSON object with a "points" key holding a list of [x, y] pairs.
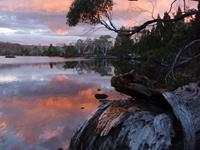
{"points": [[159, 46], [70, 51], [123, 45], [102, 45], [196, 24], [98, 47], [88, 11], [52, 51]]}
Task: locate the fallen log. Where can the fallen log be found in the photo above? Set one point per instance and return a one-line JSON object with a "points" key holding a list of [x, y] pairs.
{"points": [[153, 119], [140, 87]]}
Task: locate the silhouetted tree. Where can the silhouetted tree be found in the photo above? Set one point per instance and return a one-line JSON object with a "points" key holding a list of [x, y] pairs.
{"points": [[52, 51], [70, 51], [123, 44]]}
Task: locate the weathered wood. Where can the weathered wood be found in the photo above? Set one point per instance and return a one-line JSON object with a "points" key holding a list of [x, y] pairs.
{"points": [[141, 123], [124, 125], [139, 86], [184, 116]]}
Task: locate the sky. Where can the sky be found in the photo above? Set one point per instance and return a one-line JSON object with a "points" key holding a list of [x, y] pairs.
{"points": [[44, 21]]}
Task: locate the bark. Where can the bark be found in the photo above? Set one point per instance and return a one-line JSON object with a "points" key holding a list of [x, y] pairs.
{"points": [[154, 119]]}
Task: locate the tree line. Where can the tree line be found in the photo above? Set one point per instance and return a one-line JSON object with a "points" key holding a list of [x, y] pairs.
{"points": [[98, 47]]}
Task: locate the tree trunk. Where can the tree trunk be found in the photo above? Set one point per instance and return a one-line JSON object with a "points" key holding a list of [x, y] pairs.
{"points": [[154, 119]]}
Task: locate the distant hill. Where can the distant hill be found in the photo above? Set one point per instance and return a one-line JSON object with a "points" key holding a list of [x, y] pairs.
{"points": [[18, 49]]}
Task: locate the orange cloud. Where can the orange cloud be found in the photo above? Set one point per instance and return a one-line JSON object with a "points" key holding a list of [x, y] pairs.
{"points": [[31, 117], [37, 5], [44, 113], [48, 18], [140, 6], [133, 13]]}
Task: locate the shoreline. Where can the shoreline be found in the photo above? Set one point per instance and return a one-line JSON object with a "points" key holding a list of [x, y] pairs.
{"points": [[26, 60]]}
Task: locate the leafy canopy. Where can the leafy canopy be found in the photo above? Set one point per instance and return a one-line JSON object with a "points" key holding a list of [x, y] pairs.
{"points": [[88, 11]]}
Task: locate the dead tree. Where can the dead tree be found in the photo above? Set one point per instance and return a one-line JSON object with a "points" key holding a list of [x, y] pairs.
{"points": [[178, 61], [153, 119]]}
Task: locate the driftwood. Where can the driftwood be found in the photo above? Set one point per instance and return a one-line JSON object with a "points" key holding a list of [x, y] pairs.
{"points": [[154, 119]]}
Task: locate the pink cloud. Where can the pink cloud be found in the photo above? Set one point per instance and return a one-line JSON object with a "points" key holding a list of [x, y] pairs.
{"points": [[36, 5], [48, 17]]}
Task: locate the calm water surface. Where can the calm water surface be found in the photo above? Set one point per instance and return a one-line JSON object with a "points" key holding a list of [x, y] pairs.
{"points": [[43, 100]]}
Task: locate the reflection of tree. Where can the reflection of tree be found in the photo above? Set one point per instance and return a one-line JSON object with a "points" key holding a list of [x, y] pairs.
{"points": [[103, 66], [81, 67], [70, 65], [51, 65], [122, 66]]}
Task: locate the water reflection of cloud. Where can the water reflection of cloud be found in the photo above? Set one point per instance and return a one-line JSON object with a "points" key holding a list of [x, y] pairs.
{"points": [[48, 134], [59, 85], [47, 121], [7, 79], [42, 109], [42, 120]]}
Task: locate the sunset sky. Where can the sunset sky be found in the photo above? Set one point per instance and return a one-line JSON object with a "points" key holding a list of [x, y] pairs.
{"points": [[43, 21]]}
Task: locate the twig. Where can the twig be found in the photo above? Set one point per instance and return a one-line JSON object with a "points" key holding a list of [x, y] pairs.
{"points": [[175, 62], [171, 6], [144, 25], [134, 30]]}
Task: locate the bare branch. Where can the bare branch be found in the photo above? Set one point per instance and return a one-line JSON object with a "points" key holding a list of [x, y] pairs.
{"points": [[171, 6], [175, 62], [108, 16], [184, 5], [137, 29], [141, 27], [154, 6], [105, 24], [91, 31], [187, 60], [151, 12]]}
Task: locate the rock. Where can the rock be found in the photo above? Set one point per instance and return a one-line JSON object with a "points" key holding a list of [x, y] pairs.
{"points": [[82, 107], [101, 96]]}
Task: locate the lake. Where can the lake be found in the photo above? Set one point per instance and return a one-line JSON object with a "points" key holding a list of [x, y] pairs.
{"points": [[44, 100]]}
